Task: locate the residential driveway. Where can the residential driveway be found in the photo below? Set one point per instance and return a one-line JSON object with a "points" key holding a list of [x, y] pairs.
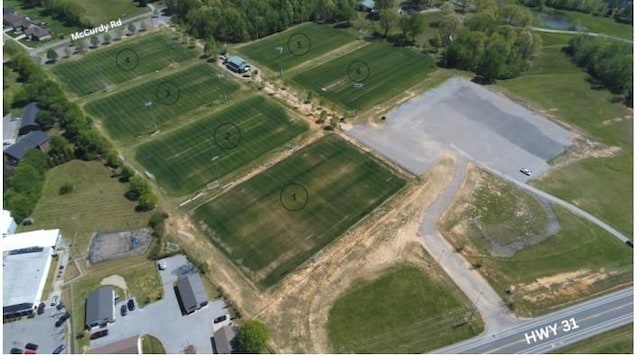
{"points": [[471, 119], [164, 320], [39, 330]]}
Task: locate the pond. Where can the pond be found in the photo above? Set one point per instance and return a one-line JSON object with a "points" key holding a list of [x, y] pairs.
{"points": [[557, 21]]}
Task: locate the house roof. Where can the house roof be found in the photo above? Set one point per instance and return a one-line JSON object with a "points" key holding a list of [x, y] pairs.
{"points": [[10, 127], [236, 61], [23, 276], [37, 238], [368, 4], [191, 290], [16, 20], [130, 345], [37, 31], [31, 140], [31, 110], [99, 305], [225, 339]]}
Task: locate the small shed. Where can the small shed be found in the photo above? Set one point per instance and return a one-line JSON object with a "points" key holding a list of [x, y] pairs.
{"points": [[237, 64], [100, 307]]}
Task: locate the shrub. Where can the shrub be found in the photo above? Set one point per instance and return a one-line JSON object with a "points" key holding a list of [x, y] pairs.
{"points": [[65, 188]]}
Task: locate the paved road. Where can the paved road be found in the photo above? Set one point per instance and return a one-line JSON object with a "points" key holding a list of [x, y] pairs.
{"points": [[548, 333], [568, 32]]}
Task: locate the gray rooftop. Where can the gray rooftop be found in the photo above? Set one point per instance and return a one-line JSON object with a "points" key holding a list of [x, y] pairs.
{"points": [[31, 140], [191, 290], [29, 114], [100, 306], [225, 339], [24, 275]]}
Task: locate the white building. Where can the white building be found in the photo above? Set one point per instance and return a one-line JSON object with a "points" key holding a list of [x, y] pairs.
{"points": [[7, 224], [24, 274], [37, 238]]}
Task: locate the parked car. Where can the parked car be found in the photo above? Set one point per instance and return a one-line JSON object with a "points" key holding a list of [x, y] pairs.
{"points": [[31, 346], [54, 300], [60, 306], [27, 351], [629, 243], [99, 334], [62, 319], [15, 350], [41, 308], [58, 349], [123, 310], [525, 171], [131, 305], [220, 319]]}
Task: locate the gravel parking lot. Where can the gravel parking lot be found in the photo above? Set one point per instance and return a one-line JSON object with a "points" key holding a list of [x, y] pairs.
{"points": [[164, 320], [466, 117]]}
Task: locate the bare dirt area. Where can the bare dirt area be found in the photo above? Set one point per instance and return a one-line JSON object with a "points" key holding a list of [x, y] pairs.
{"points": [[296, 309], [114, 280]]}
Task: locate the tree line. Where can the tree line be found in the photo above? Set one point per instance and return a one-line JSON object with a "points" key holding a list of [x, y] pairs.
{"points": [[243, 20], [610, 62], [69, 12], [620, 10], [78, 139], [493, 43]]}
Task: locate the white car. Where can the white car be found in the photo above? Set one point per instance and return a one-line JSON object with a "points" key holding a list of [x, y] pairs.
{"points": [[525, 171], [54, 301]]}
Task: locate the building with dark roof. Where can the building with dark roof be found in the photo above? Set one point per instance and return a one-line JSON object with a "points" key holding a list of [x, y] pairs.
{"points": [[16, 21], [34, 139], [366, 5], [237, 64], [191, 292], [37, 33], [100, 307], [131, 345], [29, 122], [226, 339]]}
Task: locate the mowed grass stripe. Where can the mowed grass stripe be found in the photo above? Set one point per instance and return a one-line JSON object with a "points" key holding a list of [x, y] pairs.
{"points": [[96, 70], [323, 39], [254, 229], [181, 160], [125, 115], [391, 71]]}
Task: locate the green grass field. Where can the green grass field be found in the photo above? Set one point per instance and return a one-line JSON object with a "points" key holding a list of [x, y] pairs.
{"points": [[125, 115], [320, 40], [95, 71], [403, 311], [391, 70], [578, 245], [616, 341], [97, 202], [604, 25], [601, 186], [181, 160], [151, 345], [108, 10], [253, 225]]}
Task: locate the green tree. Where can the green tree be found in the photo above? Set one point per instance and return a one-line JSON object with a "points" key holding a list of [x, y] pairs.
{"points": [[113, 160], [210, 47], [147, 201], [253, 336], [487, 6], [126, 173], [137, 187], [416, 24], [52, 55], [20, 205], [60, 150], [131, 27], [107, 38], [67, 52], [384, 4], [45, 119], [449, 27], [448, 8], [388, 19], [94, 41]]}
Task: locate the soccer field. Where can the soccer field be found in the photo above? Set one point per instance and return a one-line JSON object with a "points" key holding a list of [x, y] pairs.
{"points": [[120, 62], [137, 111], [314, 40], [181, 160], [383, 70], [277, 220]]}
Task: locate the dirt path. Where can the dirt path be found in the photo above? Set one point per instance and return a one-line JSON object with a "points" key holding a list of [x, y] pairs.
{"points": [[494, 312]]}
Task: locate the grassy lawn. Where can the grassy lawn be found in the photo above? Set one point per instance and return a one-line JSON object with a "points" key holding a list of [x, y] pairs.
{"points": [[403, 311], [579, 246], [94, 71], [97, 202], [277, 220], [53, 270], [319, 40], [108, 10], [616, 341], [151, 345], [38, 14], [601, 186], [431, 20], [391, 70], [125, 114], [181, 160], [140, 275], [605, 25]]}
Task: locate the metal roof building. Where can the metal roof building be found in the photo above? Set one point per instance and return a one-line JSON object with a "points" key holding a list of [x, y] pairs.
{"points": [[237, 64], [100, 307], [131, 345], [29, 122], [226, 339], [34, 139], [38, 238], [24, 274], [193, 296]]}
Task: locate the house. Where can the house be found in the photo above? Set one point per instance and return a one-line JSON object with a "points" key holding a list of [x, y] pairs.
{"points": [[237, 64], [34, 139], [131, 345], [37, 33], [7, 224], [24, 274], [29, 122], [47, 239], [366, 5], [191, 292], [226, 339], [100, 307], [17, 22]]}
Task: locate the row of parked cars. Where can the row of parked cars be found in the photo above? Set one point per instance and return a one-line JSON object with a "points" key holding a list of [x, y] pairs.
{"points": [[30, 348]]}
